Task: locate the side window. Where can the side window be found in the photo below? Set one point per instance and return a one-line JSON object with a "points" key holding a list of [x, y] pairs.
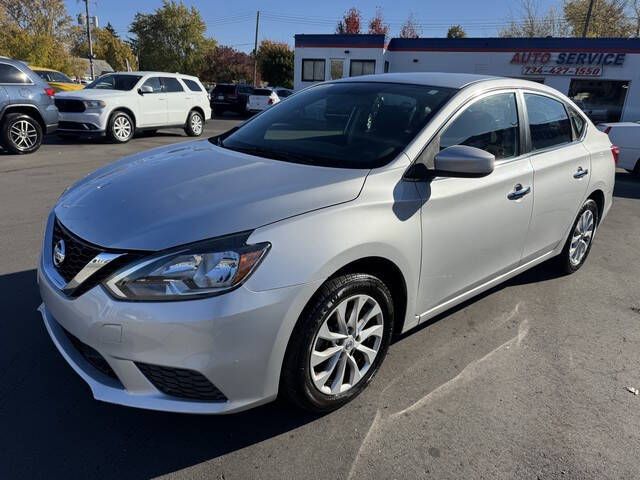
{"points": [[548, 121], [490, 124], [171, 85], [10, 74], [362, 67], [154, 82], [192, 85], [577, 121], [313, 70]]}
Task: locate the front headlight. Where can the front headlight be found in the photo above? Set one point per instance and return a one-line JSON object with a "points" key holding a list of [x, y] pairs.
{"points": [[202, 270], [94, 104]]}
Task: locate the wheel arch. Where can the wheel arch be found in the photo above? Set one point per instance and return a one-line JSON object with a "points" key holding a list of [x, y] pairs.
{"points": [[198, 109], [30, 110], [598, 197], [126, 110], [390, 274]]}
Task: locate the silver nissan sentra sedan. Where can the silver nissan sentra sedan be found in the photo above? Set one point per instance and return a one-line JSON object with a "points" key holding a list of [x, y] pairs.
{"points": [[281, 257]]}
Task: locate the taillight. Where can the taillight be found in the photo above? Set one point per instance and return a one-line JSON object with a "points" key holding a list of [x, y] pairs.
{"points": [[615, 151], [49, 91]]}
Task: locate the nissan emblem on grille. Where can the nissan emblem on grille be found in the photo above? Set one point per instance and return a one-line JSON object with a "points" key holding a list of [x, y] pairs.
{"points": [[59, 253]]}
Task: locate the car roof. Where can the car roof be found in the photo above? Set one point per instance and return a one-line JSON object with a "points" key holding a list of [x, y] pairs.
{"points": [[442, 79], [164, 74], [43, 69]]}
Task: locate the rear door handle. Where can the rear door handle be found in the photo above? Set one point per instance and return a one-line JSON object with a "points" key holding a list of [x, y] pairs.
{"points": [[518, 192], [581, 172]]}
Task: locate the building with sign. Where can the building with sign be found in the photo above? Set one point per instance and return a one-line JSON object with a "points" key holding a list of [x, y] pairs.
{"points": [[602, 75]]}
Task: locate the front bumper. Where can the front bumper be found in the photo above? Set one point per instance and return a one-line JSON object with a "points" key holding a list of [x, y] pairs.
{"points": [[236, 341], [88, 122]]}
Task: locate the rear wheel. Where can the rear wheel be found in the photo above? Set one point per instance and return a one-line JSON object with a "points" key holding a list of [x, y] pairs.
{"points": [[21, 133], [578, 246], [121, 128], [339, 343], [636, 171], [195, 124]]}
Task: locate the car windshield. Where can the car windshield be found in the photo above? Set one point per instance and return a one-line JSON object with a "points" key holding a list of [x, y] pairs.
{"points": [[345, 125], [115, 82]]}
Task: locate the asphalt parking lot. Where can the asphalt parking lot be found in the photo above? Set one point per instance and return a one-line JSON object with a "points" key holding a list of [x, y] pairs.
{"points": [[526, 381]]}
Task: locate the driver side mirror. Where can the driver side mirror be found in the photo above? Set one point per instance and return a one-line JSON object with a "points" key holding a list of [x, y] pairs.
{"points": [[463, 161], [145, 89]]}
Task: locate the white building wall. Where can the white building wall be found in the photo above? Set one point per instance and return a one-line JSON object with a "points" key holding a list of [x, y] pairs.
{"points": [[346, 54]]}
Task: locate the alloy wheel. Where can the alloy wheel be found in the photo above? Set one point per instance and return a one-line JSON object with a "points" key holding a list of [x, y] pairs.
{"points": [[122, 128], [196, 124], [24, 135], [346, 344], [581, 237]]}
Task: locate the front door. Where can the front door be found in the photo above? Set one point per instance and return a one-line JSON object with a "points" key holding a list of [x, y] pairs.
{"points": [[474, 229], [153, 105], [561, 164]]}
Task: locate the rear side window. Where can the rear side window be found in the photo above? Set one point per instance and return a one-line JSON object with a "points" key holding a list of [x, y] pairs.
{"points": [[192, 85], [577, 121], [548, 121], [490, 124], [171, 85], [10, 74]]}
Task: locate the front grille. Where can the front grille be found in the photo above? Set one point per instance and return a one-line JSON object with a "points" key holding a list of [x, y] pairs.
{"points": [[179, 382], [77, 252], [70, 106], [91, 355]]}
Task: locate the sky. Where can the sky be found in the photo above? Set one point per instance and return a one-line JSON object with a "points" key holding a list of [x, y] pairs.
{"points": [[233, 22]]}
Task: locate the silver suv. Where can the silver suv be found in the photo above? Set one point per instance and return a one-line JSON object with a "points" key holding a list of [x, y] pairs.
{"points": [[27, 110]]}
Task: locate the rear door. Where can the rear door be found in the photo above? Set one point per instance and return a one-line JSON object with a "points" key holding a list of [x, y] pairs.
{"points": [[177, 106], [153, 105], [561, 165], [474, 229]]}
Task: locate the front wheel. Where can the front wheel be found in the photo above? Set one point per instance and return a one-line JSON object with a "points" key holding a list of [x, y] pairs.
{"points": [[578, 245], [121, 128], [195, 124], [21, 133], [339, 343]]}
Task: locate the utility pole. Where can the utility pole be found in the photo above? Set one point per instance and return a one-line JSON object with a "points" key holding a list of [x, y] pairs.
{"points": [[86, 4], [588, 19], [255, 51]]}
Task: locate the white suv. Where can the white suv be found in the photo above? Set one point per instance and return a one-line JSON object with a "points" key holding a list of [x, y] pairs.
{"points": [[119, 104]]}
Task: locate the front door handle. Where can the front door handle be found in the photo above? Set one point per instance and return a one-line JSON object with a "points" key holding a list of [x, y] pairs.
{"points": [[581, 172], [518, 192]]}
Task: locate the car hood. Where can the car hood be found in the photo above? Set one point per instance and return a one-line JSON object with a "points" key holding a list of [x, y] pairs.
{"points": [[193, 191], [91, 94]]}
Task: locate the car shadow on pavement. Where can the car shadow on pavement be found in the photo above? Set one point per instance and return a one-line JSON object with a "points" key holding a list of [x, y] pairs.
{"points": [[627, 186], [52, 427]]}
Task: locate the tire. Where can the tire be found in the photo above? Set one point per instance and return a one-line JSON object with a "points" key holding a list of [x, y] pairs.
{"points": [[297, 379], [20, 133], [195, 124], [117, 130], [568, 262], [636, 171]]}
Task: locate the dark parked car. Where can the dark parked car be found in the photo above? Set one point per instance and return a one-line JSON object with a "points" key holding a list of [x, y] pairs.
{"points": [[27, 110], [227, 97]]}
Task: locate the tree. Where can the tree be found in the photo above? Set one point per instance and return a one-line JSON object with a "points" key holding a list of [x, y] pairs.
{"points": [[535, 24], [109, 28], [171, 39], [224, 64], [456, 31], [351, 22], [635, 7], [410, 28], [275, 61], [608, 18], [36, 31], [377, 25], [106, 46]]}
